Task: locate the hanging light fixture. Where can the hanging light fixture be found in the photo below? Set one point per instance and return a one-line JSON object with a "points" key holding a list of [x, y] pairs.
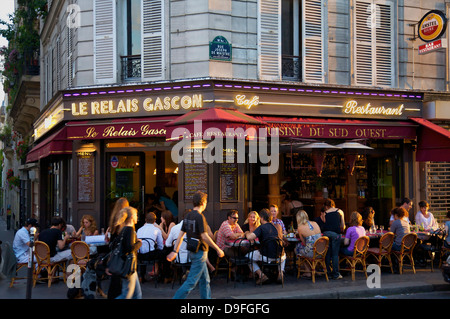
{"points": [[319, 150], [351, 153]]}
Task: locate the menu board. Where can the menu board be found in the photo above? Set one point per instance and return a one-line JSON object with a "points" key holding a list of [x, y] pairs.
{"points": [[229, 182], [195, 179], [86, 181]]}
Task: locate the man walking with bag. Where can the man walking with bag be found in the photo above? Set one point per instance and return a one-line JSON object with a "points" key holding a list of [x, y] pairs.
{"points": [[196, 229]]}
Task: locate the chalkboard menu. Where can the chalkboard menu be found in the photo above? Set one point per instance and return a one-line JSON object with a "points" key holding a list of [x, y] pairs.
{"points": [[86, 181], [229, 182], [195, 179]]}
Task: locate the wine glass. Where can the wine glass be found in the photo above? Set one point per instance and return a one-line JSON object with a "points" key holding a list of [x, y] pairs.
{"points": [[381, 228]]}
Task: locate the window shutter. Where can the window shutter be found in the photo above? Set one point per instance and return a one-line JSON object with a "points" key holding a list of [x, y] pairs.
{"points": [[105, 51], [153, 55], [385, 46], [313, 41], [374, 43], [269, 40]]}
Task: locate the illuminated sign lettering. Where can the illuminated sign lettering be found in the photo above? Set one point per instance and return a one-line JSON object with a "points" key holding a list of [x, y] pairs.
{"points": [[127, 106], [352, 108], [242, 100]]}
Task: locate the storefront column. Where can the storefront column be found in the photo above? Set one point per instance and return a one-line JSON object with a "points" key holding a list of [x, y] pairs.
{"points": [[352, 196], [274, 189]]}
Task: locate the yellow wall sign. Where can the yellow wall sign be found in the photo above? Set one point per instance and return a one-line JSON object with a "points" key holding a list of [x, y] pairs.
{"points": [[432, 25]]}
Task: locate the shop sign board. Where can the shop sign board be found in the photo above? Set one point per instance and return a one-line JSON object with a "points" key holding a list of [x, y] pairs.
{"points": [[432, 46], [432, 25]]}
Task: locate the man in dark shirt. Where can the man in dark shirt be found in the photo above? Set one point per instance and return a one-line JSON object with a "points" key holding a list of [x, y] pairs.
{"points": [[196, 227], [266, 231], [54, 238]]}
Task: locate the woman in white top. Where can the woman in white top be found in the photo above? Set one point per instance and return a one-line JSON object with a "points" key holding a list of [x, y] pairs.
{"points": [[425, 218]]}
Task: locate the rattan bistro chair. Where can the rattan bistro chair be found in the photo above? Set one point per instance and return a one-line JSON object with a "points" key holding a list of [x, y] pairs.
{"points": [[406, 250], [384, 250], [359, 256], [320, 251], [42, 254], [80, 254]]}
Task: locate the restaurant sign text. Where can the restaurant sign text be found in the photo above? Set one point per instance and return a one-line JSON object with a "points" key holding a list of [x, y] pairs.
{"points": [[129, 106]]}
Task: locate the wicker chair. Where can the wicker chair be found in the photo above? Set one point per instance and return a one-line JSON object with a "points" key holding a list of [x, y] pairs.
{"points": [[42, 254], [80, 254], [384, 251], [406, 250], [320, 251], [359, 256]]}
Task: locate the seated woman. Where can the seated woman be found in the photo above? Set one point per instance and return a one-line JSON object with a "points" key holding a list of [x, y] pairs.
{"points": [[355, 231], [368, 215], [252, 222], [88, 227], [309, 232], [425, 218], [167, 222], [400, 227]]}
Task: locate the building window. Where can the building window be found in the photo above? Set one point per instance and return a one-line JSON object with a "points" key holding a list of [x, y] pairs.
{"points": [[131, 61], [374, 44], [303, 40]]}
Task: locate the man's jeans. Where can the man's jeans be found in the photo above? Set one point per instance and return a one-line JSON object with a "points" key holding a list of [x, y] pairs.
{"points": [[333, 253], [197, 274]]}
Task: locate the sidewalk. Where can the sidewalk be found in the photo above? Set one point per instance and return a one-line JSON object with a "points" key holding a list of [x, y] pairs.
{"points": [[423, 281]]}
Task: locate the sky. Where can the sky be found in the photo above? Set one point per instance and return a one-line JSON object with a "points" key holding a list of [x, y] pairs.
{"points": [[7, 7]]}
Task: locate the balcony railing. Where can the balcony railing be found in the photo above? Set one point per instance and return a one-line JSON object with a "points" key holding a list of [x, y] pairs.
{"points": [[131, 67], [31, 63], [291, 67]]}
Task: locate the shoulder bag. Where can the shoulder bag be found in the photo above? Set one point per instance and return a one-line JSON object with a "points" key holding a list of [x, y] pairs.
{"points": [[120, 265]]}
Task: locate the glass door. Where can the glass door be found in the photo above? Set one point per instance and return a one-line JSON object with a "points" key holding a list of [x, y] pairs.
{"points": [[124, 177]]}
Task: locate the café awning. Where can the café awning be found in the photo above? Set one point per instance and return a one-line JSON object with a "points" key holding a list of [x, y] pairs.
{"points": [[55, 144], [433, 142], [119, 128], [208, 122]]}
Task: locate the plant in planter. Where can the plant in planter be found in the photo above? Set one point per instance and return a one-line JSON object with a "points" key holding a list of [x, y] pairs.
{"points": [[12, 181]]}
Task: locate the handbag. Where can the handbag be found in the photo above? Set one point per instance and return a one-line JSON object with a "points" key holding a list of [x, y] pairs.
{"points": [[119, 265], [192, 244]]}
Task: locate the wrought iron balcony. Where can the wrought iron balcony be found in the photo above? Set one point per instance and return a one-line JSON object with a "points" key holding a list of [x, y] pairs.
{"points": [[131, 67], [291, 67]]}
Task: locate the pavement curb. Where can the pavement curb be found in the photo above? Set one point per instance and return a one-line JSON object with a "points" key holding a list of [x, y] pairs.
{"points": [[352, 292]]}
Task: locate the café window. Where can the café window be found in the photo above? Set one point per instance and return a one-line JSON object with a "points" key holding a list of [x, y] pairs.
{"points": [[374, 46], [302, 40]]}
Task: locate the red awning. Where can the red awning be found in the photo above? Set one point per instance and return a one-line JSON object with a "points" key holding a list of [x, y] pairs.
{"points": [[323, 128], [55, 144], [120, 128], [212, 122], [433, 142]]}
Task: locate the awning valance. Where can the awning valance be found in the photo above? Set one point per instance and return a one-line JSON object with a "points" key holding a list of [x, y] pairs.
{"points": [[121, 128], [323, 128], [55, 144], [433, 142]]}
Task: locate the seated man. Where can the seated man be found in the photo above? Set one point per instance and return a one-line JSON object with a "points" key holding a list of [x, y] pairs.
{"points": [[54, 238], [229, 231], [267, 230], [149, 230], [21, 243]]}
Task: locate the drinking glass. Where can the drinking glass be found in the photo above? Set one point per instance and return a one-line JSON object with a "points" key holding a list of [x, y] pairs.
{"points": [[381, 228]]}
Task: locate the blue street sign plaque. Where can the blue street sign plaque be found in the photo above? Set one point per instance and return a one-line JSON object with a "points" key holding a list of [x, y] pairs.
{"points": [[220, 49]]}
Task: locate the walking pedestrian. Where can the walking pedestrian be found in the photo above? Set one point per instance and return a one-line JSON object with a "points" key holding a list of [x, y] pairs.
{"points": [[196, 229], [131, 287], [333, 227]]}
